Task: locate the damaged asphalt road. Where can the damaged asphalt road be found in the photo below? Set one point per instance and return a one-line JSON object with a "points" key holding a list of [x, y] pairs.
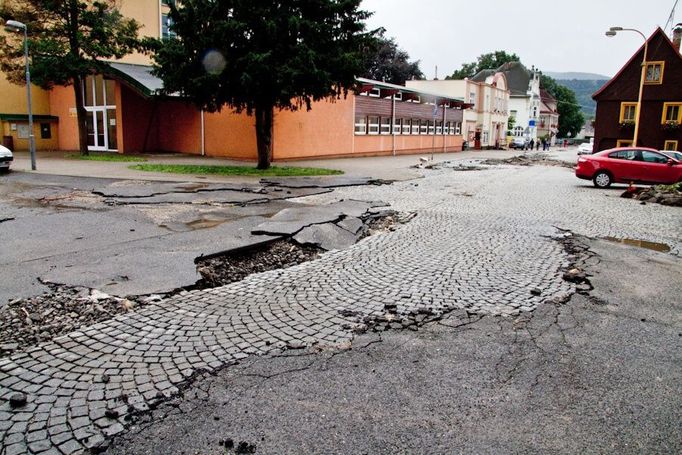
{"points": [[134, 237], [599, 373]]}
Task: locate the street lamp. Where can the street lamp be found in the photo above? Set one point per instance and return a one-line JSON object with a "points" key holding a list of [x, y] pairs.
{"points": [[613, 31], [17, 27]]}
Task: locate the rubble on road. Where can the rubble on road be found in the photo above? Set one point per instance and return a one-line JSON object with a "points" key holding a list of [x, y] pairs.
{"points": [[661, 194], [529, 160], [228, 268], [27, 322]]}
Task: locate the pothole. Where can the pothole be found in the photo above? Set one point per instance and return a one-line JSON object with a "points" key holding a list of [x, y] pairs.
{"points": [[232, 267], [27, 322], [219, 270]]}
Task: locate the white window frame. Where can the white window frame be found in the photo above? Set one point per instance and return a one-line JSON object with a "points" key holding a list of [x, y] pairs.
{"points": [[373, 124], [458, 128], [406, 126], [423, 127], [416, 126], [432, 127], [375, 93], [385, 125], [398, 126], [363, 125]]}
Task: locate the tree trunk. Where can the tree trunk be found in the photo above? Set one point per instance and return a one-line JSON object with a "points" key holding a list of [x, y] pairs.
{"points": [[264, 116], [82, 116]]}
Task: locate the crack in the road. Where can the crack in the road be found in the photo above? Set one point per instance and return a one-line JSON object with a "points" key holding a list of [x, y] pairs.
{"points": [[529, 348]]}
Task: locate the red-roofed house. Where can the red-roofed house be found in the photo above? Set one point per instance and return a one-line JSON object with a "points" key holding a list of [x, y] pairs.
{"points": [[661, 99]]}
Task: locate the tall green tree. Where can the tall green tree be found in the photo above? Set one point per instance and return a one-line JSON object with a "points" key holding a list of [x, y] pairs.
{"points": [[265, 55], [389, 63], [491, 60], [67, 41], [571, 118]]}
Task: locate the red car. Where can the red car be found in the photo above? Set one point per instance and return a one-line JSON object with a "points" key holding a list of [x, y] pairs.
{"points": [[629, 164]]}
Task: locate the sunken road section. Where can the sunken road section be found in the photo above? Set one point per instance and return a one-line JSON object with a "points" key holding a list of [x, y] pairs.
{"points": [[492, 252]]}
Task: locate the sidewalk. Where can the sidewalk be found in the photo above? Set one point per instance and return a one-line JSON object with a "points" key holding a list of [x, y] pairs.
{"points": [[380, 167]]}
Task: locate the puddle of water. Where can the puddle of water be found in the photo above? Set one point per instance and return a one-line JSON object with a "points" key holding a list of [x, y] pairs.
{"points": [[661, 247], [204, 224], [193, 225]]}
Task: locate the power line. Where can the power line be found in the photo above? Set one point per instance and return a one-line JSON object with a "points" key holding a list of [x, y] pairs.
{"points": [[671, 19]]}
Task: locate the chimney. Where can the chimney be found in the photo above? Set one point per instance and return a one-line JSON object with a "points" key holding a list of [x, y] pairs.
{"points": [[677, 36]]}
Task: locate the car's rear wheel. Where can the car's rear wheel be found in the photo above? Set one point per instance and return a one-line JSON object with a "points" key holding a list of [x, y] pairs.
{"points": [[602, 179]]}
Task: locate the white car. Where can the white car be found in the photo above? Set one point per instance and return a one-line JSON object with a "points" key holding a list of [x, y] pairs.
{"points": [[6, 158], [586, 148]]}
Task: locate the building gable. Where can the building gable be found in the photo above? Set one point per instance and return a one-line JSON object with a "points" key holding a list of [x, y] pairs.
{"points": [[625, 84]]}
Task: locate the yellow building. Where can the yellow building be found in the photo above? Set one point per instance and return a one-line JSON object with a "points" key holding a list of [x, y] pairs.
{"points": [[152, 17]]}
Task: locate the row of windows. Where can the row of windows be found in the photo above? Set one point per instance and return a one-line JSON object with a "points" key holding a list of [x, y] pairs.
{"points": [[670, 146], [640, 155], [672, 112], [374, 124]]}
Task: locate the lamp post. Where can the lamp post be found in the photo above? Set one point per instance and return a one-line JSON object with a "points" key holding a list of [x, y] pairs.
{"points": [[15, 27], [613, 31]]}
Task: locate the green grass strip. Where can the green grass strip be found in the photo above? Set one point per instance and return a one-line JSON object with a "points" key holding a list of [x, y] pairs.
{"points": [[112, 157], [272, 171]]}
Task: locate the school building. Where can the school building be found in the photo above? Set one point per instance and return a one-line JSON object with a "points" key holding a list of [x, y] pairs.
{"points": [[126, 115]]}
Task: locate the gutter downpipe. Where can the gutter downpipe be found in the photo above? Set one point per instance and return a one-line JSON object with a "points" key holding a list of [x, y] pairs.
{"points": [[203, 135], [443, 130], [393, 122]]}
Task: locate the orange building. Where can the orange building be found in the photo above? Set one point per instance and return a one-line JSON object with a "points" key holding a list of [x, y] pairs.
{"points": [[126, 115]]}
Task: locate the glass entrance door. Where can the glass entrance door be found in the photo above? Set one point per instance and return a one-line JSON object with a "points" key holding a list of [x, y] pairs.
{"points": [[100, 104], [97, 133]]}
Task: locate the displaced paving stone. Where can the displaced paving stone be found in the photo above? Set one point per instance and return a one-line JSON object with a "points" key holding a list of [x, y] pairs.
{"points": [[17, 400]]}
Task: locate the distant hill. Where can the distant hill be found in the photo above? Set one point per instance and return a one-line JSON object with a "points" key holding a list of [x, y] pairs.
{"points": [[584, 88], [576, 76]]}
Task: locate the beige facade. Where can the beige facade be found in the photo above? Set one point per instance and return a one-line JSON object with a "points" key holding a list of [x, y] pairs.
{"points": [[485, 122], [151, 15]]}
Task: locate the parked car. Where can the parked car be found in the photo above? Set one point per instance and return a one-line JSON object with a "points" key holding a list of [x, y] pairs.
{"points": [[586, 148], [629, 164], [6, 158], [672, 154], [518, 143]]}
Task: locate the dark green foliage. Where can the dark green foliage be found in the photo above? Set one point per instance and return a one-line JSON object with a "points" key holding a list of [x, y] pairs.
{"points": [[491, 60], [67, 39], [389, 63], [571, 119], [266, 55]]}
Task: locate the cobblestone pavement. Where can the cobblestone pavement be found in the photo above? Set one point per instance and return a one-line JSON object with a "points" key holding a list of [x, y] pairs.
{"points": [[481, 241]]}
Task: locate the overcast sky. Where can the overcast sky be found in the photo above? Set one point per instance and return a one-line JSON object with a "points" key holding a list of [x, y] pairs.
{"points": [[552, 35]]}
